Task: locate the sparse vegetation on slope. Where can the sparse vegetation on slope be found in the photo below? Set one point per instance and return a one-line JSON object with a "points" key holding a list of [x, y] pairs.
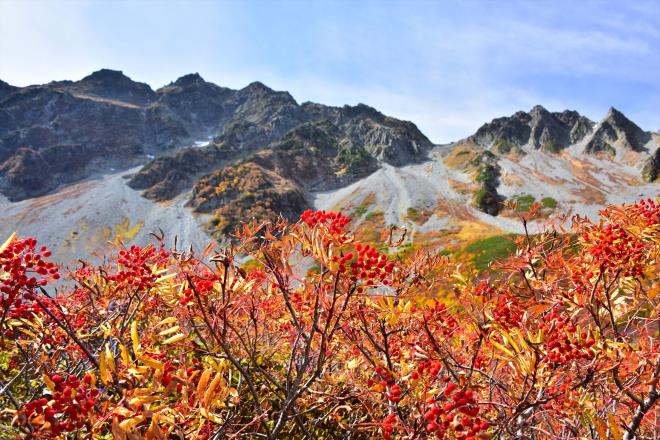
{"points": [[240, 193]]}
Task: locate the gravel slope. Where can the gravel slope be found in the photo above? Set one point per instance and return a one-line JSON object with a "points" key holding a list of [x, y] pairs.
{"points": [[77, 221]]}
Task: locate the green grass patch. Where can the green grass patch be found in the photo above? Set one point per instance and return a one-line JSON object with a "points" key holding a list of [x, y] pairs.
{"points": [[489, 249], [374, 214], [523, 202], [549, 202], [359, 211]]}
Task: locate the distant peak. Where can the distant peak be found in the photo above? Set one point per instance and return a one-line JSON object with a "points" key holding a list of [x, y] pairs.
{"points": [[191, 78], [538, 109], [258, 86], [617, 118], [613, 113], [361, 109], [106, 75]]}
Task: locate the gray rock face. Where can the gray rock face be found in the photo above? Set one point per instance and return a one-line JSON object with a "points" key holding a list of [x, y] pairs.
{"points": [[539, 128], [651, 170], [617, 131], [117, 120]]}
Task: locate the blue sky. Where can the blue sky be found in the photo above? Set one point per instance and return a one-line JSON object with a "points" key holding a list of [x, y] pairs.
{"points": [[448, 66]]}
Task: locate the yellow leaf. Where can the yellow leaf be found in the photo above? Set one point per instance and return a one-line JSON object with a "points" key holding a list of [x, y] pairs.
{"points": [[103, 366], [203, 381], [502, 348], [109, 357], [212, 417], [175, 338], [169, 331], [212, 387], [123, 411], [8, 242], [614, 428], [49, 383], [600, 428], [117, 432], [166, 321], [135, 338], [153, 363], [129, 424], [154, 430], [141, 400], [125, 357]]}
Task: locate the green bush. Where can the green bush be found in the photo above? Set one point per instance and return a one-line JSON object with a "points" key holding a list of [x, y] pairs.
{"points": [[523, 202], [549, 202]]}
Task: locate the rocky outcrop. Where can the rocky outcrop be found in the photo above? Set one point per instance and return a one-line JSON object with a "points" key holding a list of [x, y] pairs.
{"points": [[616, 131], [539, 129], [486, 197], [242, 192], [651, 170]]}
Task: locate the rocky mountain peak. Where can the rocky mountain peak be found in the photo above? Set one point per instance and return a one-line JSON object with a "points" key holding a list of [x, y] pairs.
{"points": [[106, 75], [613, 114], [538, 128], [258, 91], [538, 111], [257, 87], [616, 131], [361, 110], [112, 84], [189, 79]]}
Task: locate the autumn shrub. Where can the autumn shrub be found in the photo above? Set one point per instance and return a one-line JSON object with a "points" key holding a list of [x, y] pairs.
{"points": [[560, 341]]}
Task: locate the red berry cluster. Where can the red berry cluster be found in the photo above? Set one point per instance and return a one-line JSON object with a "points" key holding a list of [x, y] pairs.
{"points": [[441, 320], [614, 248], [483, 289], [370, 266], [507, 312], [389, 425], [386, 384], [69, 408], [24, 269], [560, 348], [336, 221], [135, 267], [454, 410], [168, 371], [648, 210], [562, 398], [431, 367], [203, 286]]}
